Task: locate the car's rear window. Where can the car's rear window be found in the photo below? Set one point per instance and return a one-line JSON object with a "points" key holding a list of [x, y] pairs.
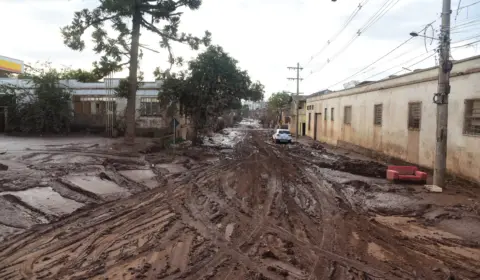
{"points": [[284, 132]]}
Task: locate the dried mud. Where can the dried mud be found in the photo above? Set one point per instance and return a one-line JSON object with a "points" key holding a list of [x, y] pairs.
{"points": [[263, 211]]}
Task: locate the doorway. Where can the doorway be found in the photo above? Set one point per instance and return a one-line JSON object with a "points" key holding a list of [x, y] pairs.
{"points": [[317, 126], [304, 125]]}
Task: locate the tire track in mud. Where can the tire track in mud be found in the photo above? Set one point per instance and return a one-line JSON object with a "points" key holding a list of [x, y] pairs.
{"points": [[265, 214]]}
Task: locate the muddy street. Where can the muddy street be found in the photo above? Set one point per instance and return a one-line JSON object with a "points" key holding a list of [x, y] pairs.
{"points": [[257, 211]]}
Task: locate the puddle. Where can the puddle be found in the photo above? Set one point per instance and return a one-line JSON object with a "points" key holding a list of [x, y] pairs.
{"points": [[145, 177], [172, 167], [47, 200], [394, 204], [95, 185], [16, 215], [65, 158], [467, 227]]}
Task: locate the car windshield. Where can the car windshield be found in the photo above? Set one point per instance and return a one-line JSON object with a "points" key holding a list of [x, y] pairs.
{"points": [[284, 132]]}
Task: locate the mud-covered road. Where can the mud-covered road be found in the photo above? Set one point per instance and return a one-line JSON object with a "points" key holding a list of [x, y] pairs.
{"points": [[264, 212]]}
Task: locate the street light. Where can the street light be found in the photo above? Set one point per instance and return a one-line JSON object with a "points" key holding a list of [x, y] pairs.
{"points": [[415, 34]]}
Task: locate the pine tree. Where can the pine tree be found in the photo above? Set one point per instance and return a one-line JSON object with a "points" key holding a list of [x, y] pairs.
{"points": [[161, 17]]}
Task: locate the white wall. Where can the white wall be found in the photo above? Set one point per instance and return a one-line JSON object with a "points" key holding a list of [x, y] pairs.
{"points": [[393, 137]]}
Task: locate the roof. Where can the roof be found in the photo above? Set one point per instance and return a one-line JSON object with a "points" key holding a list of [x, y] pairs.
{"points": [[100, 88], [319, 93]]}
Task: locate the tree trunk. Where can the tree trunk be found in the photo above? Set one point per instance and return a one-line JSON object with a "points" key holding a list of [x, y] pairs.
{"points": [[132, 77]]}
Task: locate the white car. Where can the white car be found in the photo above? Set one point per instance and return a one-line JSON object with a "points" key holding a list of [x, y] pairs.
{"points": [[282, 136]]}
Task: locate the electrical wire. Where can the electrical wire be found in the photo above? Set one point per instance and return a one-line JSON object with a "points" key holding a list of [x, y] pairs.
{"points": [[397, 65], [466, 6], [382, 57], [418, 62], [404, 63], [387, 5], [466, 45], [344, 26], [381, 14], [401, 64]]}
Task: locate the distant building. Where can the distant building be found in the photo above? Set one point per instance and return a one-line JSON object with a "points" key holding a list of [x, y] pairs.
{"points": [[95, 106], [253, 105]]}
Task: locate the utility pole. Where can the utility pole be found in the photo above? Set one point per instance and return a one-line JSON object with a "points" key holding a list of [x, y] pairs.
{"points": [[441, 97], [298, 79]]}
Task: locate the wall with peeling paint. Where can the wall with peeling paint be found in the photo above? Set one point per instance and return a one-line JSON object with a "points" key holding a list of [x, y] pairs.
{"points": [[393, 137]]}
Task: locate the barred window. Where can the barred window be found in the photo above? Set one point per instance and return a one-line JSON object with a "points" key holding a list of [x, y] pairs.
{"points": [[471, 124], [331, 113], [414, 115], [149, 106], [377, 114], [325, 114], [347, 115]]}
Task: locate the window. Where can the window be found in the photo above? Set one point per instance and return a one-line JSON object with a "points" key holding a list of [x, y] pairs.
{"points": [[471, 124], [377, 114], [325, 114], [331, 113], [149, 106], [309, 120], [347, 115], [414, 115], [310, 107]]}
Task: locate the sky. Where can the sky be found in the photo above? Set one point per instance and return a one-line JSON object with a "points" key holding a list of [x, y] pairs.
{"points": [[265, 37]]}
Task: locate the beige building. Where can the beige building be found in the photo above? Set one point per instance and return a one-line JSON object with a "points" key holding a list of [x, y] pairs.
{"points": [[397, 117], [300, 102]]}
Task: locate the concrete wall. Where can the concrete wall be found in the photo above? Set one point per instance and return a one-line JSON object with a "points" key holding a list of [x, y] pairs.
{"points": [[393, 137]]}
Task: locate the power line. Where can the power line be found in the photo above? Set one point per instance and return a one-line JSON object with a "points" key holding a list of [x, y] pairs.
{"points": [[398, 65], [385, 55], [466, 45], [418, 62], [382, 13], [387, 5], [334, 37], [401, 64], [466, 6]]}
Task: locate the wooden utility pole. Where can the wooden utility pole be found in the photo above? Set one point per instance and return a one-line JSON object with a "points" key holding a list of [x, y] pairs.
{"points": [[441, 97], [298, 79]]}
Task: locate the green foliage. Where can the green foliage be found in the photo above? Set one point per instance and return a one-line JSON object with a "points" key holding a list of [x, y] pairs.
{"points": [[42, 106], [124, 85], [212, 84], [121, 47], [158, 16], [245, 110], [279, 100], [82, 75]]}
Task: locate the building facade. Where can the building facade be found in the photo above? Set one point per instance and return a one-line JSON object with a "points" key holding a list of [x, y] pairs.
{"points": [[397, 117], [300, 103], [96, 107]]}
